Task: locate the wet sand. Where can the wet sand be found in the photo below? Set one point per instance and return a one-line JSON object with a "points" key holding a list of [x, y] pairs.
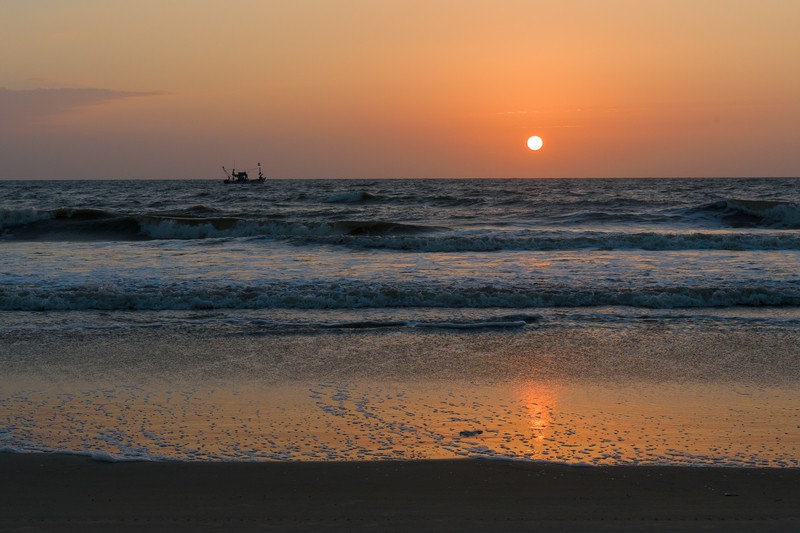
{"points": [[41, 492], [646, 394], [378, 420]]}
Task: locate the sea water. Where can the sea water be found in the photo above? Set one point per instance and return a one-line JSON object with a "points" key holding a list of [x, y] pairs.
{"points": [[131, 308]]}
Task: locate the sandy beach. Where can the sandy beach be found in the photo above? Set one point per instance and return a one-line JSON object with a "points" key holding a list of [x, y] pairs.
{"points": [[41, 492]]}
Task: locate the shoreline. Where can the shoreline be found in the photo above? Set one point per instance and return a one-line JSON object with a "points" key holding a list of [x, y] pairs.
{"points": [[74, 493]]}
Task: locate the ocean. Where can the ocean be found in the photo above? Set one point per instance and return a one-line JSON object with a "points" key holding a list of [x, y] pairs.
{"points": [[315, 319]]}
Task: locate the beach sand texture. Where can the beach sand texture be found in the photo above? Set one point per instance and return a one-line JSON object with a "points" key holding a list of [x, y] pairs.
{"points": [[642, 397], [68, 493]]}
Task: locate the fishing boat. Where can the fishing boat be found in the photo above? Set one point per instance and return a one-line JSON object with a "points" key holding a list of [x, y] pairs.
{"points": [[241, 176]]}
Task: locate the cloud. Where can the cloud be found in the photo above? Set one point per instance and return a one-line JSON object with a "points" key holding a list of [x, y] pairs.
{"points": [[20, 106]]}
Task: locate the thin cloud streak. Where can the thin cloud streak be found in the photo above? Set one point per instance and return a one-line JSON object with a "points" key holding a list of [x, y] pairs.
{"points": [[23, 106]]}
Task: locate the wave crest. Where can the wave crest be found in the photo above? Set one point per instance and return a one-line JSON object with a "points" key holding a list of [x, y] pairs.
{"points": [[74, 213], [10, 218], [756, 213], [361, 295], [350, 197], [94, 224]]}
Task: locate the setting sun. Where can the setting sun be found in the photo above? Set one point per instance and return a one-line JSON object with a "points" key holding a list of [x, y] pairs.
{"points": [[535, 143]]}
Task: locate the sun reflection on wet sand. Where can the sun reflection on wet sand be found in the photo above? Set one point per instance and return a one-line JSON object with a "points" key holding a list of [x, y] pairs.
{"points": [[539, 401], [644, 423]]}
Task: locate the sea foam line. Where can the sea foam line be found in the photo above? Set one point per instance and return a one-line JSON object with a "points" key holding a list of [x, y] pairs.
{"points": [[360, 295]]}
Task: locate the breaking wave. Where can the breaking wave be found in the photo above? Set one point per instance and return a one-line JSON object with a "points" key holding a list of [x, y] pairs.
{"points": [[94, 224], [546, 241], [351, 294], [754, 213], [350, 197], [88, 224], [721, 225]]}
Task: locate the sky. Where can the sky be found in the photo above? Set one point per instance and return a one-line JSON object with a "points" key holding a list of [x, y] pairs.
{"points": [[399, 88]]}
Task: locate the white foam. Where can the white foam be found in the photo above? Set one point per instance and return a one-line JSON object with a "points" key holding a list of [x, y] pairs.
{"points": [[355, 295], [472, 325], [10, 449], [349, 197], [16, 217], [776, 214], [105, 457]]}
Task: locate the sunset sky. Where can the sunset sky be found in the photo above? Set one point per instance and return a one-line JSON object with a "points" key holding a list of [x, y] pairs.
{"points": [[385, 88]]}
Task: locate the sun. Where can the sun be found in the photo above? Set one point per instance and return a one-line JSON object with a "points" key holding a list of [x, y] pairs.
{"points": [[535, 142]]}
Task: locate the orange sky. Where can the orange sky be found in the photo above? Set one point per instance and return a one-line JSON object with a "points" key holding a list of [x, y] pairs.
{"points": [[364, 88]]}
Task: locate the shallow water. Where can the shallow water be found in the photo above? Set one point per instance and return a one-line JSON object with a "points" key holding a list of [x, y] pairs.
{"points": [[650, 391]]}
